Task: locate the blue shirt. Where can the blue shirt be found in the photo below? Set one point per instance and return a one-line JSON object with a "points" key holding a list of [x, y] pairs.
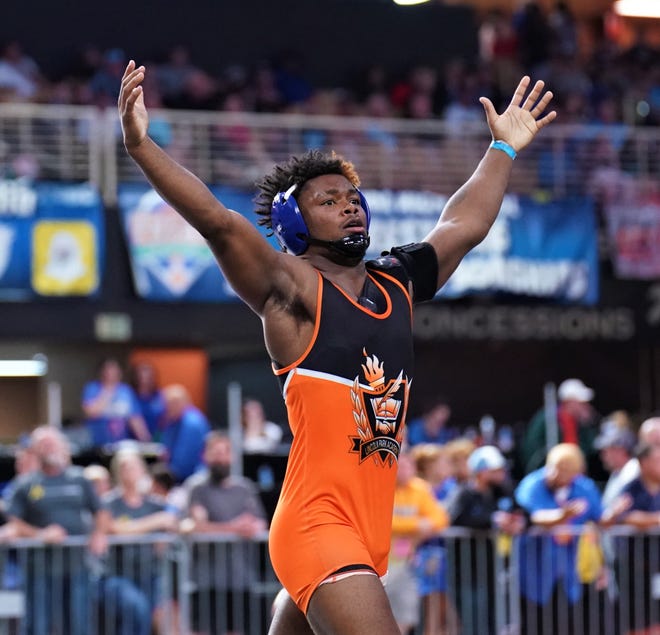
{"points": [[416, 433], [152, 408], [544, 561], [184, 441], [642, 499], [112, 425]]}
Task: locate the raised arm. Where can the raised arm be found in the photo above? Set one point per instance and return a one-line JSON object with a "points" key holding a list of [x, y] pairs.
{"points": [[254, 269], [471, 211]]}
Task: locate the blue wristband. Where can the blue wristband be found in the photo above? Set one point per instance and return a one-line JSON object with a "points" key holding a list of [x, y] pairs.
{"points": [[504, 147]]}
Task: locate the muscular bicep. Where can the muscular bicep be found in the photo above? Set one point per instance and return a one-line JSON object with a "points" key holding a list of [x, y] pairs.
{"points": [[255, 270], [279, 287], [452, 239]]}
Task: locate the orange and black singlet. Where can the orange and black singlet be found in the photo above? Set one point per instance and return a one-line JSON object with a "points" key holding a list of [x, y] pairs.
{"points": [[346, 399]]}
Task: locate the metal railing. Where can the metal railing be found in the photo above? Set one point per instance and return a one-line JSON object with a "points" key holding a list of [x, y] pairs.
{"points": [[529, 585], [223, 148]]}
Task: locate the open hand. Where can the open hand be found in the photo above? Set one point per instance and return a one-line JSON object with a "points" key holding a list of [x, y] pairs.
{"points": [[524, 116], [132, 111]]}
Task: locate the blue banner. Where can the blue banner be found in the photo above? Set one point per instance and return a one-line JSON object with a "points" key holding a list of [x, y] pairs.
{"points": [[538, 249], [51, 240], [170, 261], [542, 249]]}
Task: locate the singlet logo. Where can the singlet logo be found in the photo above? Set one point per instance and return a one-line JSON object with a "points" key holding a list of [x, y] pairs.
{"points": [[379, 412]]}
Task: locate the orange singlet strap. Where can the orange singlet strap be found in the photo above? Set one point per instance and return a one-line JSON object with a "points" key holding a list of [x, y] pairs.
{"points": [[398, 283], [317, 322]]}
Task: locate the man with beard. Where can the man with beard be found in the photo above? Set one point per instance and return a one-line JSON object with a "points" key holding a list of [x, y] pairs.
{"points": [[224, 504], [50, 504]]}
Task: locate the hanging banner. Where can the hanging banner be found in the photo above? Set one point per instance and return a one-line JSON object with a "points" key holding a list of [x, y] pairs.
{"points": [[633, 229], [51, 240], [170, 260], [538, 249]]}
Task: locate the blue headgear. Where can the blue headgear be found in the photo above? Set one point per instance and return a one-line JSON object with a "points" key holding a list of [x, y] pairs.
{"points": [[289, 225]]}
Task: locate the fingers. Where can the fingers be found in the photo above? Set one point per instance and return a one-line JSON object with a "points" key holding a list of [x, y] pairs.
{"points": [[517, 98], [541, 104], [533, 95], [488, 107], [129, 68], [544, 121], [130, 84], [532, 103]]}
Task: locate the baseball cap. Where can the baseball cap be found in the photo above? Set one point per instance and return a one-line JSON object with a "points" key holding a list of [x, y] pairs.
{"points": [[486, 457], [574, 389], [615, 437]]}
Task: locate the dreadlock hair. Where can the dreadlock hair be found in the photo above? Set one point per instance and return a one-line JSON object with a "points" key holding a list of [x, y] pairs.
{"points": [[297, 170]]}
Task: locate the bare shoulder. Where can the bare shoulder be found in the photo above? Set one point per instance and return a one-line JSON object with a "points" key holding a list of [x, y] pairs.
{"points": [[289, 315]]}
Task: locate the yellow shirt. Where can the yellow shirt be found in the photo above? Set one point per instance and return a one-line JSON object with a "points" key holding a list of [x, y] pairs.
{"points": [[413, 503]]}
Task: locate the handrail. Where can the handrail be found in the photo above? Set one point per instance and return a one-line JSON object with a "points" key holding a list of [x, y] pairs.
{"points": [[82, 143]]}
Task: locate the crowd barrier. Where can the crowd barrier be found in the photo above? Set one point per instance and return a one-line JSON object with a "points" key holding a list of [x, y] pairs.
{"points": [[540, 583], [83, 143]]}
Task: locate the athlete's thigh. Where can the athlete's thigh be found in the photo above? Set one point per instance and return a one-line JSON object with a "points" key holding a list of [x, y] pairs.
{"points": [[356, 605], [288, 619]]}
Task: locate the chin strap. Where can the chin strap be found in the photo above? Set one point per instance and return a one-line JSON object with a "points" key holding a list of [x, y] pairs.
{"points": [[353, 247]]}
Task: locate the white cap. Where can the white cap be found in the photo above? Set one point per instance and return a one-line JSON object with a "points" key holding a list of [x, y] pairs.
{"points": [[486, 457], [574, 389]]}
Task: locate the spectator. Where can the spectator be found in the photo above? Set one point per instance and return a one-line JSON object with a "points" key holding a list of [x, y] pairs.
{"points": [[641, 497], [164, 487], [575, 419], [417, 516], [459, 451], [290, 78], [485, 502], [498, 48], [224, 571], [20, 77], [461, 111], [106, 81], [110, 407], [434, 466], [556, 495], [533, 35], [648, 434], [136, 569], [260, 436], [26, 461], [50, 504], [563, 32], [615, 445], [182, 432], [99, 477], [266, 96], [431, 426], [173, 75], [143, 379], [240, 150]]}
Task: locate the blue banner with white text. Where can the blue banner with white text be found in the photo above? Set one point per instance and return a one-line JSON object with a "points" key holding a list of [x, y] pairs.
{"points": [[540, 249], [51, 240]]}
